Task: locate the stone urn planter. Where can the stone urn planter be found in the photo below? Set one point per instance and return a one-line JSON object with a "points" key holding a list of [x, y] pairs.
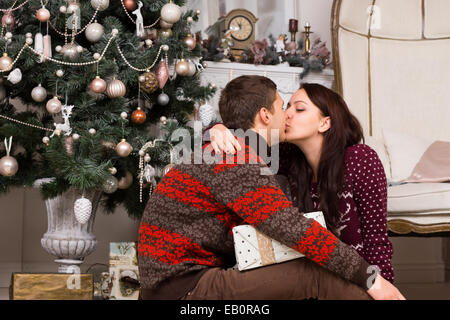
{"points": [[67, 239]]}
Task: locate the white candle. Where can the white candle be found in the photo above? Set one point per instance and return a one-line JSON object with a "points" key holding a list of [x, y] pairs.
{"points": [[307, 24]]}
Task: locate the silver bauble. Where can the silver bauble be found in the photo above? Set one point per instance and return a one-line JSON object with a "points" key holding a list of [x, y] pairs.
{"points": [[70, 51], [54, 105], [39, 93], [171, 13], [110, 185], [103, 4], [8, 166], [163, 99], [94, 32], [116, 88], [124, 149]]}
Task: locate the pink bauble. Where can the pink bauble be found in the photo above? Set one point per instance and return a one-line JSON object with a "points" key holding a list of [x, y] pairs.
{"points": [[98, 85], [8, 19], [54, 105], [190, 42], [43, 14], [115, 89]]}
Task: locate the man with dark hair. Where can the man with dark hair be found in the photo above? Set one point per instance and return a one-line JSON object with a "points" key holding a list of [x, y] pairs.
{"points": [[185, 241]]}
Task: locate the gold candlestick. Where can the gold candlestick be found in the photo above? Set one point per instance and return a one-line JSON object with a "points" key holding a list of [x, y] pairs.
{"points": [[307, 33]]}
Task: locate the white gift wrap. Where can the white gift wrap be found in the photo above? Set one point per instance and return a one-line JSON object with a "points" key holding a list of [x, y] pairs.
{"points": [[253, 249]]}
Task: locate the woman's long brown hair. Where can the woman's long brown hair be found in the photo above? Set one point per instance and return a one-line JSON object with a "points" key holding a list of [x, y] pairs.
{"points": [[345, 131]]}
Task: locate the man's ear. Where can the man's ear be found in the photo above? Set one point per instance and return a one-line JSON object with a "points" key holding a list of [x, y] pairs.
{"points": [[264, 115], [325, 124]]}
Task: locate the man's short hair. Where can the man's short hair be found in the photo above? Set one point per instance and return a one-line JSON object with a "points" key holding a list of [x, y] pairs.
{"points": [[243, 97]]}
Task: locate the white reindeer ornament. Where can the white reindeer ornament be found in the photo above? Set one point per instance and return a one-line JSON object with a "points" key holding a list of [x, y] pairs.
{"points": [[140, 31], [64, 127]]}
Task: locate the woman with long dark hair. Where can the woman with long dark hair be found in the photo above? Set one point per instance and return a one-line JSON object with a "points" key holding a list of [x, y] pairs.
{"points": [[328, 169]]}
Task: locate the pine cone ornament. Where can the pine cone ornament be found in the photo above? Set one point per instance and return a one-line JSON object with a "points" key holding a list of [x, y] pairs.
{"points": [[83, 210], [148, 82], [206, 114]]}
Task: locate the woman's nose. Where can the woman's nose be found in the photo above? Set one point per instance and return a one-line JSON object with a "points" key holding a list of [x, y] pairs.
{"points": [[288, 113]]}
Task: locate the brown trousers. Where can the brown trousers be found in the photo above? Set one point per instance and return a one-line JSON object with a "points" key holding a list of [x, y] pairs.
{"points": [[292, 280]]}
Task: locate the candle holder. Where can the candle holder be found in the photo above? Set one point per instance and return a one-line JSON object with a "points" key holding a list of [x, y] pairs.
{"points": [[293, 28], [307, 33]]}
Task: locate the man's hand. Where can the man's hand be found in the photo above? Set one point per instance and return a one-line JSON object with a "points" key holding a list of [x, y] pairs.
{"points": [[222, 140], [384, 290]]}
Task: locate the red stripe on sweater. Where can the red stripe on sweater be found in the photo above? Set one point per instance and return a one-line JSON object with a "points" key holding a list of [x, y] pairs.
{"points": [[183, 188], [172, 248], [317, 244], [259, 205]]}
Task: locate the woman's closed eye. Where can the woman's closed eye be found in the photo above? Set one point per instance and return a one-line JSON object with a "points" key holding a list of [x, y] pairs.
{"points": [[300, 110]]}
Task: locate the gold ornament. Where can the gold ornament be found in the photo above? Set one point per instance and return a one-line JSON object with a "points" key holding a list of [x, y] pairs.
{"points": [[182, 67], [98, 85], [126, 181], [115, 89], [148, 82], [5, 62], [124, 149]]}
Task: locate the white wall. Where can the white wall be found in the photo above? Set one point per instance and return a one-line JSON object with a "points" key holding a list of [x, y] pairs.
{"points": [[273, 15]]}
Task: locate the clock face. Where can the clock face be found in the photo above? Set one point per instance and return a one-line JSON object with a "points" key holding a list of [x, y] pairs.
{"points": [[241, 28]]}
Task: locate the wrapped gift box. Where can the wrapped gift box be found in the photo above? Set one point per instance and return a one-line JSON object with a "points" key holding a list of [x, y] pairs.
{"points": [[254, 249], [51, 286], [123, 271]]}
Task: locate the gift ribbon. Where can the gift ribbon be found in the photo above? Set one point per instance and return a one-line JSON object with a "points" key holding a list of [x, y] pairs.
{"points": [[265, 249]]}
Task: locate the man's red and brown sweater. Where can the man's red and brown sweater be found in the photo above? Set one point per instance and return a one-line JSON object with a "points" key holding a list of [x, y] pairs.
{"points": [[187, 225]]}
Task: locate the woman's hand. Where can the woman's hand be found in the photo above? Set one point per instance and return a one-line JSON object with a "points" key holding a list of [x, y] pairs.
{"points": [[222, 140], [384, 290]]}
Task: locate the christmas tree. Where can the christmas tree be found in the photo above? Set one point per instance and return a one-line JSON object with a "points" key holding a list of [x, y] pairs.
{"points": [[91, 92]]}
